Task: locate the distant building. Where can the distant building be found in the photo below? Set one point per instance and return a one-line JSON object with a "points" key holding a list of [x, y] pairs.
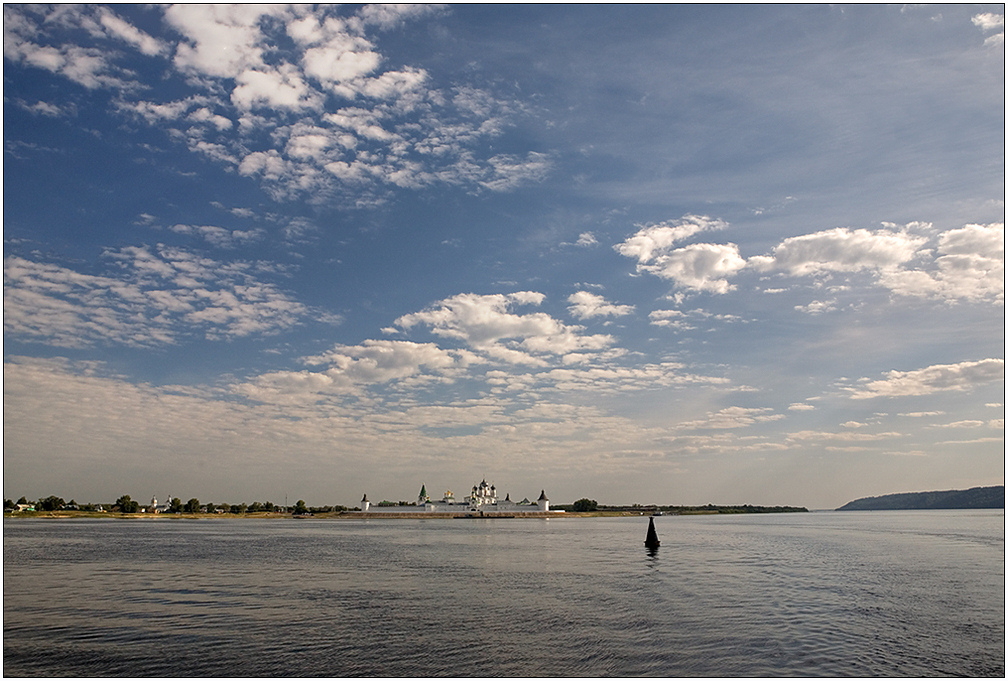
{"points": [[482, 499]]}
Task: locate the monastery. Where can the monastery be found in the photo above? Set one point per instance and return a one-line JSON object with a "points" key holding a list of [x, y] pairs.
{"points": [[483, 500]]}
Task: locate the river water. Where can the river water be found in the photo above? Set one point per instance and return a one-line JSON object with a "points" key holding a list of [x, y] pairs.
{"points": [[815, 594]]}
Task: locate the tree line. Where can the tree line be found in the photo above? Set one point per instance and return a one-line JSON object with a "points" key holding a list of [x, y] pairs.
{"points": [[126, 504], [586, 505]]}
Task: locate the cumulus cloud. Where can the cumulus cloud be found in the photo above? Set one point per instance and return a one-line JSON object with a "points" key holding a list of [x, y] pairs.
{"points": [[963, 376], [961, 264], [700, 267], [653, 241], [840, 250], [585, 305], [219, 40], [147, 297], [988, 22], [490, 324], [969, 266], [280, 87]]}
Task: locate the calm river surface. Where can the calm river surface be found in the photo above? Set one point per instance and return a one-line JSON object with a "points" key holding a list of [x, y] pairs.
{"points": [[852, 594]]}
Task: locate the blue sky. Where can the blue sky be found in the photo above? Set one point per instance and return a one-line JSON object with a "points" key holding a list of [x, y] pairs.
{"points": [[655, 254]]}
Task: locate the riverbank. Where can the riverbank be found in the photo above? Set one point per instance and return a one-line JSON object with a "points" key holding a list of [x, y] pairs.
{"points": [[357, 515]]}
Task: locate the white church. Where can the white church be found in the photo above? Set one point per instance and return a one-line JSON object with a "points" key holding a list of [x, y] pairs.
{"points": [[483, 500]]}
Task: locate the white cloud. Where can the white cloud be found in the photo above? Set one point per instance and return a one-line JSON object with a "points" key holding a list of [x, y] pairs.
{"points": [[585, 305], [384, 125], [45, 109], [586, 239], [937, 378], [840, 250], [219, 40], [390, 15], [488, 324], [123, 30], [670, 318], [88, 67], [651, 242], [988, 21], [154, 113], [156, 297], [277, 88], [218, 236], [27, 31], [733, 417], [701, 267], [351, 368], [968, 423], [801, 406], [509, 172], [817, 307], [204, 115], [969, 266], [394, 84]]}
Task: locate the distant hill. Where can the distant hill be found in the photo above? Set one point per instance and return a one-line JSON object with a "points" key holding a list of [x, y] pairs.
{"points": [[977, 497]]}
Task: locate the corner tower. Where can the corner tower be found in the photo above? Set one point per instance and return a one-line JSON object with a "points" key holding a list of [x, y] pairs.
{"points": [[543, 502]]}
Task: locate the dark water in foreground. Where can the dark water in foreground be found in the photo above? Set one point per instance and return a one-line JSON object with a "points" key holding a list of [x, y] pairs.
{"points": [[851, 594]]}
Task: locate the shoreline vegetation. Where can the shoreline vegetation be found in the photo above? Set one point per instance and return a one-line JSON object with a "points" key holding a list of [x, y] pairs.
{"points": [[371, 515], [126, 508]]}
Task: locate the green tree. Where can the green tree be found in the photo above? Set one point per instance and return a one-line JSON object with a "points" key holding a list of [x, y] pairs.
{"points": [[8, 503], [300, 508], [50, 503], [585, 505], [22, 500], [210, 508], [192, 506], [175, 505], [127, 505]]}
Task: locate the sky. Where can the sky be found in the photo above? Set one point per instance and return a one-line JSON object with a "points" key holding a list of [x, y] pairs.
{"points": [[641, 254]]}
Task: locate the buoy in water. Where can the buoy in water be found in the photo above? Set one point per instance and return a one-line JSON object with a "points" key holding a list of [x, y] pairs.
{"points": [[652, 537]]}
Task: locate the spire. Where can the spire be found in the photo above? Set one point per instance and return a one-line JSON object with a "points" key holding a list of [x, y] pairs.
{"points": [[542, 497], [365, 498]]}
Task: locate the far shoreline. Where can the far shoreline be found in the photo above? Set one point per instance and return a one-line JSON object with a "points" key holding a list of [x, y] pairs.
{"points": [[358, 515]]}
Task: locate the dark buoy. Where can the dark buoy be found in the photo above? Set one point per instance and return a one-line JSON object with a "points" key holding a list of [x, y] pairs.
{"points": [[652, 537]]}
